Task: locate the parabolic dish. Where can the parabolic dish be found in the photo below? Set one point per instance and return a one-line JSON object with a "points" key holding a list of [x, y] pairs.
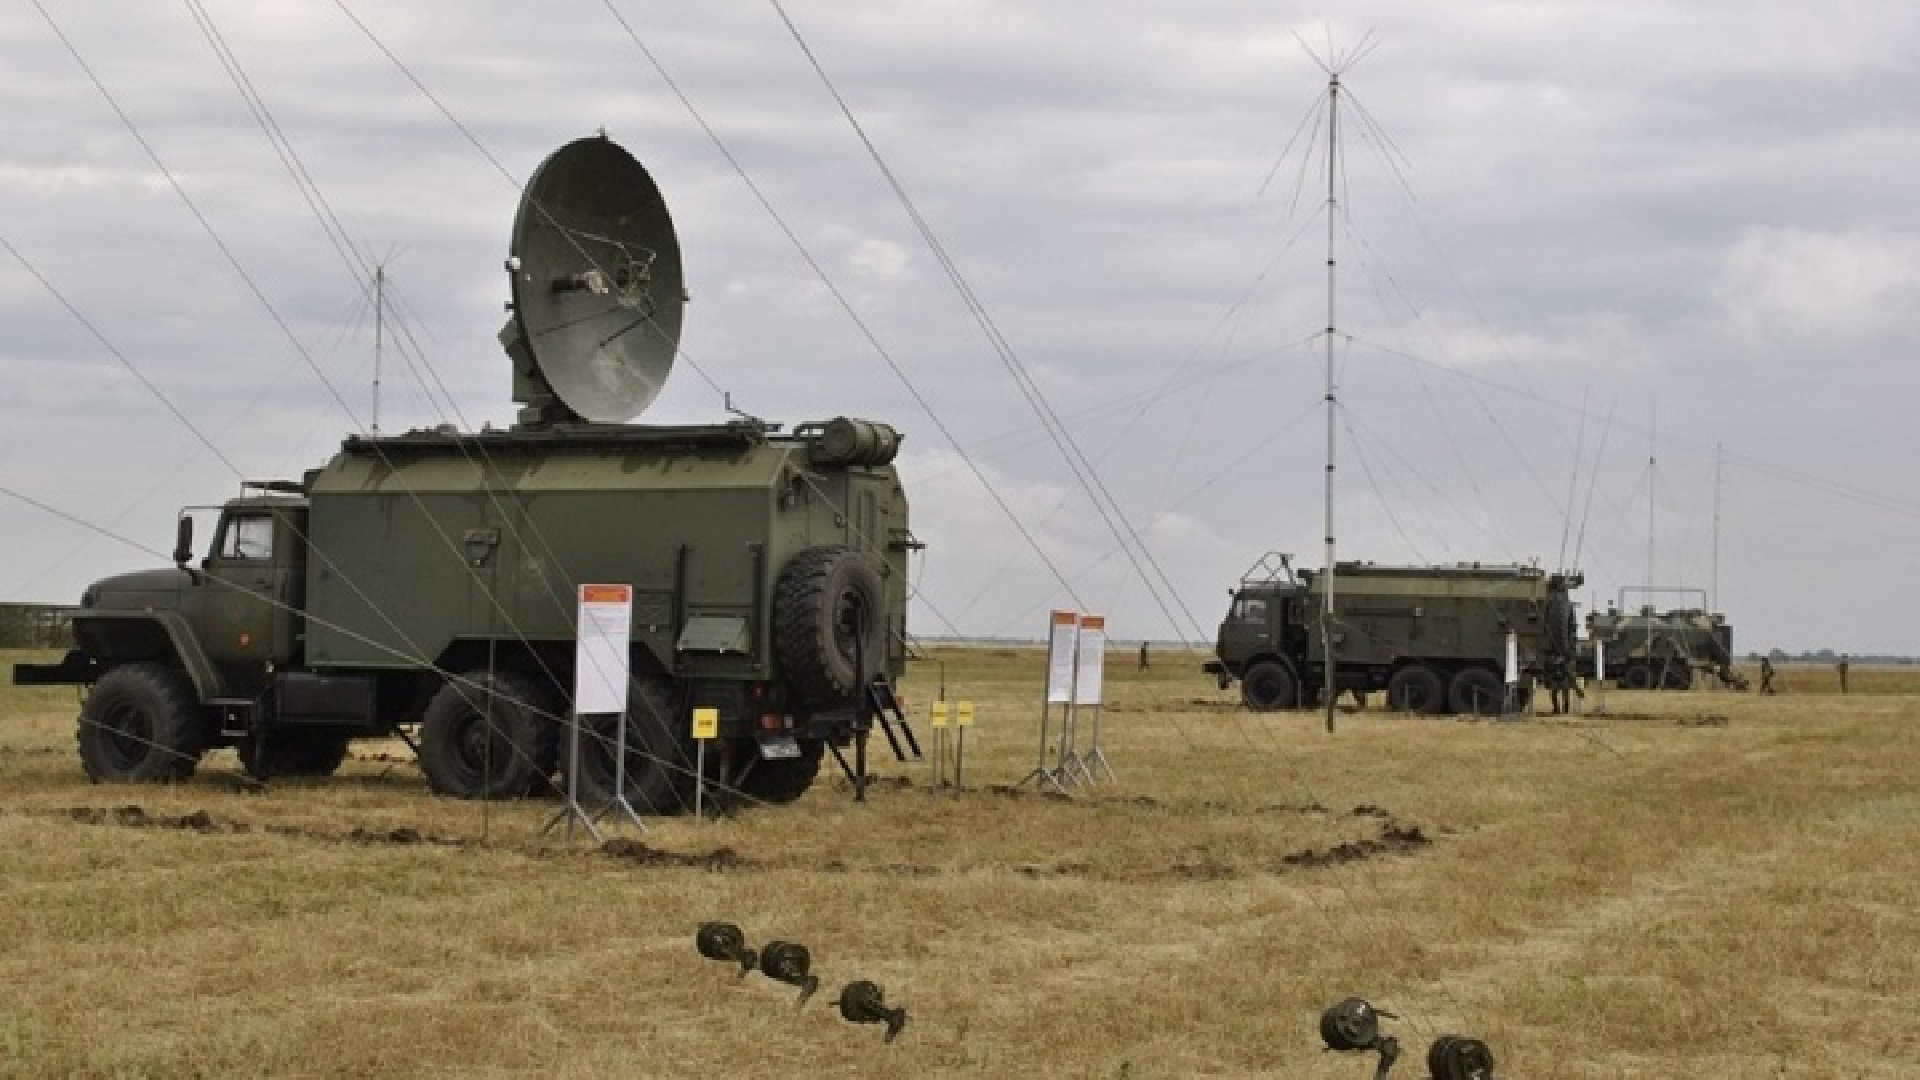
{"points": [[597, 288]]}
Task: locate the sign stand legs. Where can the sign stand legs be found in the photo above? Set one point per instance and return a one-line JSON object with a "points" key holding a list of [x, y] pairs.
{"points": [[1095, 754], [1040, 771], [571, 811], [619, 801]]}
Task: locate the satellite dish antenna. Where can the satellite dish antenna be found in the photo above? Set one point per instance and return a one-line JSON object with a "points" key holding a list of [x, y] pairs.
{"points": [[597, 288]]}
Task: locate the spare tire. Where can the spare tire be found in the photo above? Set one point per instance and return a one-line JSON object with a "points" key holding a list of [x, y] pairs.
{"points": [[828, 615]]}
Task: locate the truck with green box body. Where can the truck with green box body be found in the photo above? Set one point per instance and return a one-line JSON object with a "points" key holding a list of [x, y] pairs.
{"points": [[1433, 638]]}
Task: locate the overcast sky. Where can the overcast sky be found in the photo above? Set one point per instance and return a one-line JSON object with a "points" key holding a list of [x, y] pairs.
{"points": [[1580, 246]]}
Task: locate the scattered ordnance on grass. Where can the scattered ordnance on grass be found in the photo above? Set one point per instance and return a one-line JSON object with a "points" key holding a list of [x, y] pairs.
{"points": [[790, 963], [864, 1002], [724, 941], [1353, 1024]]}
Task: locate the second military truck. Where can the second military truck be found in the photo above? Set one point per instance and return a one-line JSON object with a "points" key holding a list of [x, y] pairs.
{"points": [[1433, 638]]}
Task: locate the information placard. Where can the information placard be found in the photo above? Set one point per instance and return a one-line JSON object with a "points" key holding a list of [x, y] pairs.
{"points": [[1093, 659], [939, 714], [604, 627], [1062, 629], [963, 716], [706, 722]]}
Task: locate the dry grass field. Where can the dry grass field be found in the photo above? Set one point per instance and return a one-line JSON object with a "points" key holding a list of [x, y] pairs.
{"points": [[1695, 885]]}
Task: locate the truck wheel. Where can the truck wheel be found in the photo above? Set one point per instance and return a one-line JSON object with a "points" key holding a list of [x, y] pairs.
{"points": [[296, 752], [827, 599], [1636, 677], [1677, 675], [783, 781], [659, 752], [1476, 691], [1267, 686], [140, 722], [488, 736], [1416, 688]]}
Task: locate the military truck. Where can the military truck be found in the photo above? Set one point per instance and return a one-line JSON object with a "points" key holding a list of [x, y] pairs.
{"points": [[424, 584], [1660, 650], [1432, 637]]}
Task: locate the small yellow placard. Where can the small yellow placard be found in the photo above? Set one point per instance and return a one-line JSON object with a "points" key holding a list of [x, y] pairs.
{"points": [[963, 715], [939, 714], [706, 723]]}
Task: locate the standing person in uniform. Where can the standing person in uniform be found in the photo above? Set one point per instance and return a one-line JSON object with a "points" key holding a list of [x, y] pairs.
{"points": [[1841, 667], [1766, 676], [1143, 656]]}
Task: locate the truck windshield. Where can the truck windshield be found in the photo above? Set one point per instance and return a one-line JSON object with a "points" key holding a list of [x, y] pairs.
{"points": [[249, 537]]}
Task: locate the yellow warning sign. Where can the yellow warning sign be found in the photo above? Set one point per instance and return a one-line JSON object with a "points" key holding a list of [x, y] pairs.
{"points": [[939, 714], [963, 715], [706, 722]]}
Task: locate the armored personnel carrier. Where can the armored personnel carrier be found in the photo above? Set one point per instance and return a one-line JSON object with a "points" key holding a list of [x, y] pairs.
{"points": [[424, 584], [1432, 637]]}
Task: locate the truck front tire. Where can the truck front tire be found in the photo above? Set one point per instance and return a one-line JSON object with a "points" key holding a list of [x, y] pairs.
{"points": [[140, 722], [488, 736], [1267, 686]]}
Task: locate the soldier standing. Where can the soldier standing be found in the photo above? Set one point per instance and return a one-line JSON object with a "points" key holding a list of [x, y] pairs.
{"points": [[1766, 676], [1841, 667], [1143, 656]]}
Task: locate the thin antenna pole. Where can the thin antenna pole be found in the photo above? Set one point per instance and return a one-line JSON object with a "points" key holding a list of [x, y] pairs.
{"points": [[379, 326], [1329, 689], [1713, 574], [1653, 443]]}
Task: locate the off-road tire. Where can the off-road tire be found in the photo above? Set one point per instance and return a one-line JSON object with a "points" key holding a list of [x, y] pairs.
{"points": [[1676, 675], [1417, 688], [659, 752], [782, 781], [296, 752], [1269, 685], [141, 723], [816, 592], [1476, 691], [1637, 676], [466, 756]]}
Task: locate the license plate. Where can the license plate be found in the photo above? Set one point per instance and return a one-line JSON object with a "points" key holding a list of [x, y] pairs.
{"points": [[779, 748]]}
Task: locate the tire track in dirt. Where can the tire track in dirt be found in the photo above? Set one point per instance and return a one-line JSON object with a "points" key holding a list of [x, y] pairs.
{"points": [[1391, 838]]}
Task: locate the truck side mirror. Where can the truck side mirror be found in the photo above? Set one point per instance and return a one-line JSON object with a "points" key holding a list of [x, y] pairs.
{"points": [[183, 541]]}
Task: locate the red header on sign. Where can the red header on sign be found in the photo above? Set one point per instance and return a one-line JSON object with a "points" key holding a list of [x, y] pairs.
{"points": [[606, 594], [1093, 622], [1065, 618]]}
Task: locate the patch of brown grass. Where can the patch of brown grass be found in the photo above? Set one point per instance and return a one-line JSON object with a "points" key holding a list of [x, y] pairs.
{"points": [[1640, 893]]}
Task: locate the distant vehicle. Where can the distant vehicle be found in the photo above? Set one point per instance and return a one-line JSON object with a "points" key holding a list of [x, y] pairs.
{"points": [[425, 584], [1660, 650], [1433, 638]]}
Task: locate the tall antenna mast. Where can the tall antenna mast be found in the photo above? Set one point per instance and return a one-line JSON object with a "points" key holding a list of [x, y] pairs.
{"points": [[379, 327], [1653, 444], [1713, 574], [1328, 689]]}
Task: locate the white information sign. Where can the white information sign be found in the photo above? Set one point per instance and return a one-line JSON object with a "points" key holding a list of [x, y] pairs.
{"points": [[1093, 659], [1599, 660], [1060, 657], [1513, 658], [600, 662]]}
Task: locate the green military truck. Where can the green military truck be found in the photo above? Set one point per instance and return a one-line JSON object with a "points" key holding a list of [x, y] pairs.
{"points": [[425, 584], [1432, 637], [1660, 650]]}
